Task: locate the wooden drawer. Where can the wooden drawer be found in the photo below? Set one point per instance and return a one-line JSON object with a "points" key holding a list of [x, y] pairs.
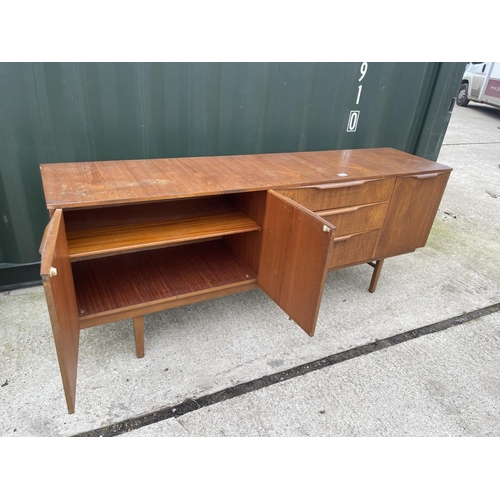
{"points": [[342, 194], [357, 219], [353, 248]]}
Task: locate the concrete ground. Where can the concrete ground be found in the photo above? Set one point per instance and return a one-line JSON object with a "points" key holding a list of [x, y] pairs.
{"points": [[214, 362]]}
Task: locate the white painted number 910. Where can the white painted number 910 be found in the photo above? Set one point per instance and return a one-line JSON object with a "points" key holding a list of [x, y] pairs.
{"points": [[352, 122]]}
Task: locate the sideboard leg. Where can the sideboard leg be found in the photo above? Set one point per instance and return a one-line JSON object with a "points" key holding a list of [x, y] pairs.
{"points": [[139, 336], [376, 274]]}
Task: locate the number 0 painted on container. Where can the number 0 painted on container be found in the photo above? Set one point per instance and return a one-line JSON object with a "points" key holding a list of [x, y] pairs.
{"points": [[352, 123]]}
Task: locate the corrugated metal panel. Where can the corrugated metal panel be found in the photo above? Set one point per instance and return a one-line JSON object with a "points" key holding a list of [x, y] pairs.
{"points": [[22, 213], [55, 112]]}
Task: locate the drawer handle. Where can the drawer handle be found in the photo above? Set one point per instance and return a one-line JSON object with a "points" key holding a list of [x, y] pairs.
{"points": [[338, 185], [424, 176], [349, 236], [343, 238], [337, 211], [347, 210]]}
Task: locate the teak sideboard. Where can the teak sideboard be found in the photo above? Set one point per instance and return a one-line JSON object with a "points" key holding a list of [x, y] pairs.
{"points": [[128, 238]]}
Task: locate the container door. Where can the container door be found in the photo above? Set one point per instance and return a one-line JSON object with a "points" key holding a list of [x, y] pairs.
{"points": [[296, 245], [57, 279]]}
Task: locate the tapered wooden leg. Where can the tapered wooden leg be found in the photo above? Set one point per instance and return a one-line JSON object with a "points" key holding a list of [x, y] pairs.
{"points": [[139, 336], [376, 274]]}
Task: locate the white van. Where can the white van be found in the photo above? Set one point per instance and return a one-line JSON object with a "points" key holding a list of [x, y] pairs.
{"points": [[480, 83]]}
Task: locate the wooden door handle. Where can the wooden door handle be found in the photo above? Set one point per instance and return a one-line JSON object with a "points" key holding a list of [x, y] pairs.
{"points": [[424, 176], [348, 236], [343, 238], [338, 185], [337, 211]]}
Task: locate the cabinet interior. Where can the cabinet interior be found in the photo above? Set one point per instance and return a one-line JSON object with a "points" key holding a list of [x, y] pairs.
{"points": [[108, 231], [132, 280], [125, 257]]}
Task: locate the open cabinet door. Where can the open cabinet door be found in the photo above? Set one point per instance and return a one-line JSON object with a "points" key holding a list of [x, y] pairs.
{"points": [[296, 244], [57, 279]]}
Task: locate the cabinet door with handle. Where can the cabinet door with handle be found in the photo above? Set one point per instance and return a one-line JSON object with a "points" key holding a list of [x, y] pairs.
{"points": [[411, 212], [296, 245], [57, 279]]}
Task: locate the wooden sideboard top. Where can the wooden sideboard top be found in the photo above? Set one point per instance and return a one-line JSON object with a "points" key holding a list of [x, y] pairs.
{"points": [[100, 183]]}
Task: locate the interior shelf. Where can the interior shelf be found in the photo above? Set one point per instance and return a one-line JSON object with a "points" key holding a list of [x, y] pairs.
{"points": [[130, 281], [109, 231]]}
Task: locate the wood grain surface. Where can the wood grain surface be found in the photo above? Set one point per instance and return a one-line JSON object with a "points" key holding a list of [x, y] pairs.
{"points": [[165, 303], [247, 245], [89, 243], [99, 183], [61, 301], [353, 248], [411, 213], [342, 194], [355, 219], [145, 213], [139, 335], [125, 281], [293, 261]]}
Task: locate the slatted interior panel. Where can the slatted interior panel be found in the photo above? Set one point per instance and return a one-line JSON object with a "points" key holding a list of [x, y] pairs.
{"points": [[122, 281]]}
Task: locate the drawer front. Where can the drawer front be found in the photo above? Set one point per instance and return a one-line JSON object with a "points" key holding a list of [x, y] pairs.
{"points": [[353, 248], [357, 219], [342, 194]]}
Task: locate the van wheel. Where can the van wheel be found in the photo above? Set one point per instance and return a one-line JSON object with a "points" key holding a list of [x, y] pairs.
{"points": [[462, 95]]}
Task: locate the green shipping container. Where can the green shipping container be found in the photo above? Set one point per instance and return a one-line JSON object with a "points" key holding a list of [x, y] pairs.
{"points": [[63, 112]]}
